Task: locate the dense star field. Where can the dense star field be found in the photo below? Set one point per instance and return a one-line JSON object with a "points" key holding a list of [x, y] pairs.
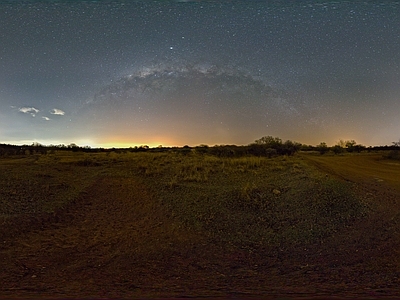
{"points": [[126, 73]]}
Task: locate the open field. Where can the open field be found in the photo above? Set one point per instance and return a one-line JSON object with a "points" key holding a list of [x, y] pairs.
{"points": [[172, 225]]}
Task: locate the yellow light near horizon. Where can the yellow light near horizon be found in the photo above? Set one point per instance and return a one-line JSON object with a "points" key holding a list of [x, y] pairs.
{"points": [[123, 142]]}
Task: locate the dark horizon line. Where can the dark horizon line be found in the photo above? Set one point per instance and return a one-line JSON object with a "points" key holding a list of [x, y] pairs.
{"points": [[146, 147]]}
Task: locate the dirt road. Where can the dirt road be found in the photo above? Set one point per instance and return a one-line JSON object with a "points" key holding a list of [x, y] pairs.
{"points": [[365, 169]]}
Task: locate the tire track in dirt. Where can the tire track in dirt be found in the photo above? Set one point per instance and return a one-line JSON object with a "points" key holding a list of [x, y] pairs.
{"points": [[109, 240]]}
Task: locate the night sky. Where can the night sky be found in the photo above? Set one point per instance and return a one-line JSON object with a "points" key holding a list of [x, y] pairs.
{"points": [[130, 73]]}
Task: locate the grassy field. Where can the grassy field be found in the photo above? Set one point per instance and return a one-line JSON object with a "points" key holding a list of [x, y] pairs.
{"points": [[237, 200], [272, 207]]}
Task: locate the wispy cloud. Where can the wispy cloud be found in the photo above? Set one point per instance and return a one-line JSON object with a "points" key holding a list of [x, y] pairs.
{"points": [[29, 110], [46, 118], [56, 111]]}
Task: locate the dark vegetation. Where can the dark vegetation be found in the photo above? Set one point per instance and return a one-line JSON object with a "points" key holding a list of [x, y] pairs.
{"points": [[266, 146]]}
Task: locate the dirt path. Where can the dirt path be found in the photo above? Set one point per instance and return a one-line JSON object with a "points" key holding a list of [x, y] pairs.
{"points": [[107, 241], [369, 169], [117, 241], [374, 176], [377, 237]]}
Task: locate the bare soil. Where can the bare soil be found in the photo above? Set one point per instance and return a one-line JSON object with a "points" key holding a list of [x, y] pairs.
{"points": [[117, 241]]}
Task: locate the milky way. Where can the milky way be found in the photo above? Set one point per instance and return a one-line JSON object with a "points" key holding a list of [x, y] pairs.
{"points": [[117, 73], [213, 89]]}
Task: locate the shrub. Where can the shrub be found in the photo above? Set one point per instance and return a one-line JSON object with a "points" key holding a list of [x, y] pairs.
{"points": [[337, 149], [393, 154], [322, 148], [87, 162]]}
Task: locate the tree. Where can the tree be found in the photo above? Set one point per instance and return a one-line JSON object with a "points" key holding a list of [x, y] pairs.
{"points": [[289, 147], [358, 148], [260, 146], [337, 149], [395, 152], [350, 145], [74, 147], [341, 144], [270, 142], [322, 148]]}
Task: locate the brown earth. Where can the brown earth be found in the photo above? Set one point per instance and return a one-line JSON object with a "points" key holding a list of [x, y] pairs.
{"points": [[117, 241]]}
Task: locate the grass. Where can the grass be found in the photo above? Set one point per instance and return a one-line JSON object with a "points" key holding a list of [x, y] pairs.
{"points": [[255, 201], [252, 200]]}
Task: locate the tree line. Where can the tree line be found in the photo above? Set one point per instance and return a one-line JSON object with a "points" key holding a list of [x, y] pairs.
{"points": [[266, 146]]}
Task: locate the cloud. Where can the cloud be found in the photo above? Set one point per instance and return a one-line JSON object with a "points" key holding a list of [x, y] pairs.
{"points": [[56, 111], [46, 118], [29, 110]]}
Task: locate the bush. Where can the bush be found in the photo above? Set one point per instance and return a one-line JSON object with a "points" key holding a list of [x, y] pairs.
{"points": [[87, 162], [393, 154], [337, 149], [322, 148], [270, 146]]}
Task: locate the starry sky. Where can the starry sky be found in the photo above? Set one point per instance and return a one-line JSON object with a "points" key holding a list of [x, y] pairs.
{"points": [[174, 73]]}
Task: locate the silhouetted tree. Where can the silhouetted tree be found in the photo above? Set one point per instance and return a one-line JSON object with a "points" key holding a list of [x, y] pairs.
{"points": [[358, 148], [185, 150], [263, 146], [341, 144], [350, 145], [322, 148], [337, 149], [269, 142], [289, 148]]}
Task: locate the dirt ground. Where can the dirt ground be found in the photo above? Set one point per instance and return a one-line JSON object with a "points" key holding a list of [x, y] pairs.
{"points": [[116, 241]]}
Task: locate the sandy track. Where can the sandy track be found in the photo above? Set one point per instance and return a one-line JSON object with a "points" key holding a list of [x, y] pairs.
{"points": [[369, 169]]}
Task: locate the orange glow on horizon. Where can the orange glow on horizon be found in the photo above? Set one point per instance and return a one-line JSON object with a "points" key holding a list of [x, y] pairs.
{"points": [[124, 142]]}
